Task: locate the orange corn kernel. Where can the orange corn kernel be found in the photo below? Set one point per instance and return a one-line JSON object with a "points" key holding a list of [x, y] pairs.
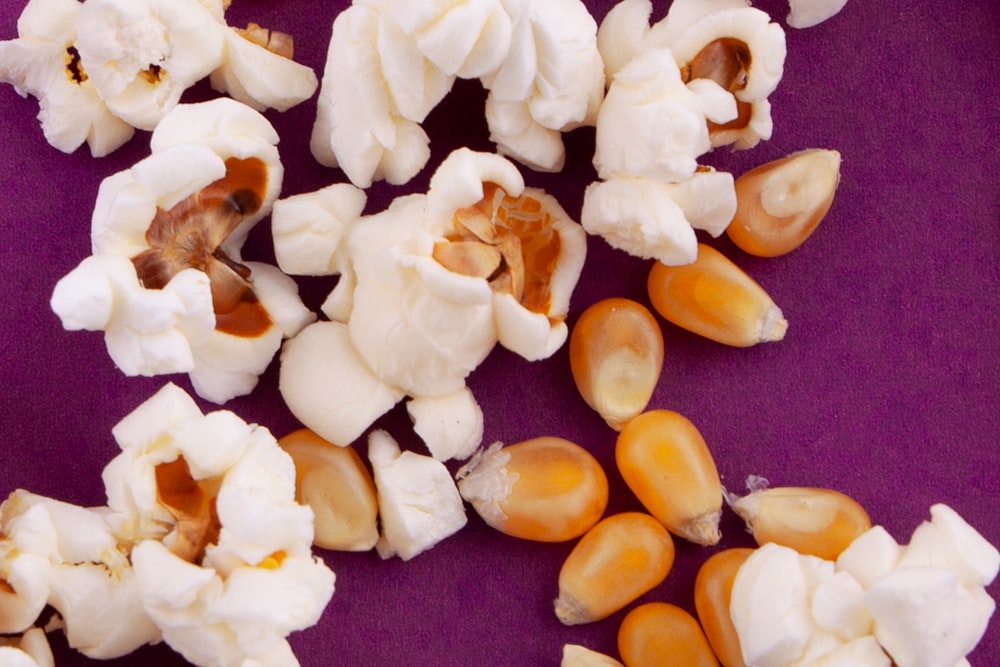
{"points": [[814, 522], [714, 298], [334, 482], [657, 634], [665, 462], [545, 489], [713, 587], [616, 561], [780, 204], [616, 355]]}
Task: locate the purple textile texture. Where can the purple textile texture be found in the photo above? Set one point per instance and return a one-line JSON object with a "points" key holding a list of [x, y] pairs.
{"points": [[886, 386]]}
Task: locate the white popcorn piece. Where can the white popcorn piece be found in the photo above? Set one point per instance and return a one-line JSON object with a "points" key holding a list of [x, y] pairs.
{"points": [[947, 540], [808, 13], [308, 228], [44, 62], [870, 556], [143, 54], [418, 501], [67, 557], [230, 585], [413, 313], [29, 650], [261, 78], [551, 81], [166, 282], [575, 655], [924, 617], [390, 62], [640, 217]]}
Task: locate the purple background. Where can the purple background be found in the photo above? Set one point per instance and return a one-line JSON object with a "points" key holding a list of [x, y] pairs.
{"points": [[885, 387]]}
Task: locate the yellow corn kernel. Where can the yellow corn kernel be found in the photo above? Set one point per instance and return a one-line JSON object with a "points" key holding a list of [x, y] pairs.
{"points": [[335, 483], [665, 462], [713, 587], [815, 522], [616, 355], [779, 204], [545, 489], [616, 561], [658, 633], [714, 298]]}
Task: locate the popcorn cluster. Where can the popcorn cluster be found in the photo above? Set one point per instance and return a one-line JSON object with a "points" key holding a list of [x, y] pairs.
{"points": [[201, 545], [101, 69]]}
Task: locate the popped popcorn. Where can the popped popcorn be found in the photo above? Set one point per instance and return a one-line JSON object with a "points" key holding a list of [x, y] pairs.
{"points": [[390, 62], [166, 282], [44, 62], [426, 289], [697, 79]]}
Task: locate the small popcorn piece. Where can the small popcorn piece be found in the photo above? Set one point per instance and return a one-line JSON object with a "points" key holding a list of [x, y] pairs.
{"points": [[808, 13], [575, 655], [166, 282], [143, 54], [308, 228], [44, 62], [258, 70], [29, 650], [419, 504]]}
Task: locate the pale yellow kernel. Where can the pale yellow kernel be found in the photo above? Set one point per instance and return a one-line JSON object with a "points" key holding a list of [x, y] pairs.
{"points": [[616, 561], [779, 204], [713, 587], [657, 634], [616, 356], [714, 298], [665, 461], [334, 482], [545, 489], [813, 521]]}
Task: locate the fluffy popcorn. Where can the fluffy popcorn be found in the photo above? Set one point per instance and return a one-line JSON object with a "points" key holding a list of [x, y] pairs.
{"points": [[226, 585], [29, 650], [44, 62], [416, 310], [920, 605], [166, 282], [143, 54], [67, 557], [390, 62]]}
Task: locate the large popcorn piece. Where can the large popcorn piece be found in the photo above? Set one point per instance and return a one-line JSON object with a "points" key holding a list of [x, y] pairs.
{"points": [[427, 288], [166, 282], [222, 554], [919, 605], [697, 79], [104, 67], [45, 63], [419, 504], [390, 62], [65, 556]]}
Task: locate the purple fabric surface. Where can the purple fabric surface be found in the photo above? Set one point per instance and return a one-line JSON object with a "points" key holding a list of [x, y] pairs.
{"points": [[886, 386]]}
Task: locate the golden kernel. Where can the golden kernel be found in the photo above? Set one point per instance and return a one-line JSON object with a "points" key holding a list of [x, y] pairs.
{"points": [[545, 489], [616, 355], [656, 634], [665, 462], [815, 522], [616, 561], [714, 298], [713, 587]]}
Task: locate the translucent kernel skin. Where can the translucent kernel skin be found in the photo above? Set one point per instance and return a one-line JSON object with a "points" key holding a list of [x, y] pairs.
{"points": [[813, 521], [619, 559], [616, 357], [779, 204], [665, 461], [335, 483], [656, 634], [714, 298], [559, 491], [713, 588]]}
